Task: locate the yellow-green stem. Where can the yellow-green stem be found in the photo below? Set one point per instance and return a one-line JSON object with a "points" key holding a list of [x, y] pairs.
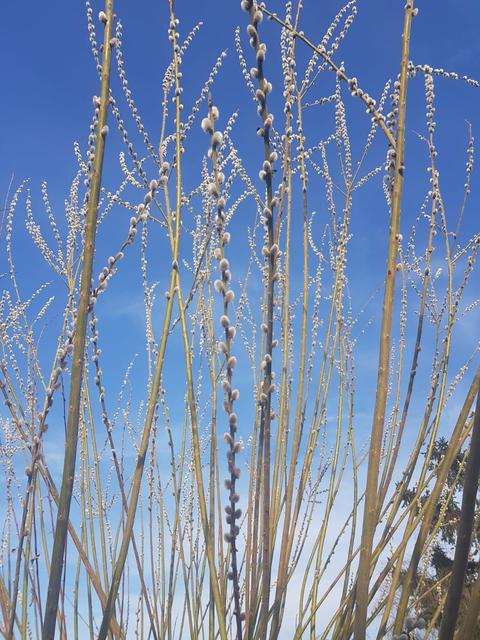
{"points": [[60, 538], [371, 497]]}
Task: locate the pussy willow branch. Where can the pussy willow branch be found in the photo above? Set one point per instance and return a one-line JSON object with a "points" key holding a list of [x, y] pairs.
{"points": [[36, 450], [233, 513], [140, 463], [173, 289], [284, 549], [371, 496], [271, 260], [340, 73], [440, 381], [60, 538], [209, 542], [282, 434]]}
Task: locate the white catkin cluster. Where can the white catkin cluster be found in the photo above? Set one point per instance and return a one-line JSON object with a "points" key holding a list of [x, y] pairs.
{"points": [[142, 215], [430, 98], [128, 93], [98, 375], [35, 445], [413, 69], [92, 35], [271, 251], [330, 32], [92, 139], [225, 348]]}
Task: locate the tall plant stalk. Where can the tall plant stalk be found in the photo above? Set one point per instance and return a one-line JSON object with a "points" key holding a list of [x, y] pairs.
{"points": [[371, 495], [142, 452], [60, 537], [271, 253]]}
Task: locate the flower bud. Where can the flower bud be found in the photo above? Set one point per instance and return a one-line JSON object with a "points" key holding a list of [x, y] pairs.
{"points": [[207, 125]]}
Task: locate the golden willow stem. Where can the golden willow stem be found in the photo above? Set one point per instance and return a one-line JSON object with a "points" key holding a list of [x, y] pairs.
{"points": [[209, 542], [76, 379], [196, 447], [282, 577], [142, 452], [22, 534], [122, 495], [464, 532], [387, 476], [371, 497]]}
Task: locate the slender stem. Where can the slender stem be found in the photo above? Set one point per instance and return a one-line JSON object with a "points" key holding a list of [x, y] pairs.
{"points": [[267, 387], [371, 497], [222, 629], [284, 555], [60, 537], [137, 477]]}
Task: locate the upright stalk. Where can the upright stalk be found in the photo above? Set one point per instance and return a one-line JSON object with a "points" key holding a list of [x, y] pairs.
{"points": [[371, 498], [271, 258], [290, 483], [60, 537], [142, 451]]}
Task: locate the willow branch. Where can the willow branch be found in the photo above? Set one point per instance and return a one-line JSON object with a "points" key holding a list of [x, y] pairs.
{"points": [[76, 380], [351, 82], [371, 497]]}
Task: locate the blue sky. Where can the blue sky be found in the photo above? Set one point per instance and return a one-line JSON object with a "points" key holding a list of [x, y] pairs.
{"points": [[48, 79]]}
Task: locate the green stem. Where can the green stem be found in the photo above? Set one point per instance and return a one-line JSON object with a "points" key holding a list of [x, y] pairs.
{"points": [[371, 498], [63, 512]]}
